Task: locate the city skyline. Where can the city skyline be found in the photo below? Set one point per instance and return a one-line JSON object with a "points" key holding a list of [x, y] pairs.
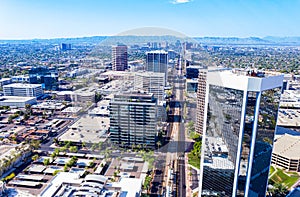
{"points": [[57, 19]]}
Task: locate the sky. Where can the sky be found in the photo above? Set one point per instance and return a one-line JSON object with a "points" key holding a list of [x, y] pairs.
{"points": [[29, 19]]}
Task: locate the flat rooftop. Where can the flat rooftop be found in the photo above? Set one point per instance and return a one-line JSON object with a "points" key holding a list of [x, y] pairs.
{"points": [[23, 85], [72, 110], [242, 79], [52, 169], [58, 180], [36, 168], [30, 177], [4, 79], [25, 183], [16, 99], [158, 52], [289, 117], [87, 129], [5, 148], [287, 146], [49, 105]]}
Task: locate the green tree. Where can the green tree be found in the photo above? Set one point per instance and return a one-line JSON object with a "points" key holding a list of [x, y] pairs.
{"points": [[278, 190], [73, 149], [46, 162], [35, 144], [56, 172], [98, 97], [26, 116], [35, 157]]}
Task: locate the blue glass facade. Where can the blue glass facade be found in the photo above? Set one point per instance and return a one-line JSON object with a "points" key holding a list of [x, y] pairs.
{"points": [[221, 140]]}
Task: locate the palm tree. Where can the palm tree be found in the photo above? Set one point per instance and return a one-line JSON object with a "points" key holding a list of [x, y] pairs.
{"points": [[278, 190], [158, 143]]}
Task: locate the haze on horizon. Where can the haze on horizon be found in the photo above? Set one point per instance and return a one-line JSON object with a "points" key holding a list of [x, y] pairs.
{"points": [[31, 19]]}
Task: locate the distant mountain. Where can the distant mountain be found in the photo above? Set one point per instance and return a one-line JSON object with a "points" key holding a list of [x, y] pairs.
{"points": [[232, 40], [133, 39], [283, 40], [93, 39], [130, 40], [270, 40]]}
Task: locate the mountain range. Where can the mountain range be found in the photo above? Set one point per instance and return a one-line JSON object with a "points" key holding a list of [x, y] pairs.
{"points": [[130, 40]]}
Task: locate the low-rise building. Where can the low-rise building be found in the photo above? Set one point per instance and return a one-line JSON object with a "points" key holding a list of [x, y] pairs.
{"points": [[286, 152], [25, 90], [5, 81], [23, 79], [12, 156], [82, 95], [16, 101], [88, 129]]}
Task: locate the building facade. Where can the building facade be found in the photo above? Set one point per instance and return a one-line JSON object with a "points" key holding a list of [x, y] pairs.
{"points": [[119, 58], [46, 76], [157, 61], [5, 81], [65, 46], [150, 82], [240, 122], [24, 90], [23, 79], [133, 120], [286, 153], [16, 101], [201, 93]]}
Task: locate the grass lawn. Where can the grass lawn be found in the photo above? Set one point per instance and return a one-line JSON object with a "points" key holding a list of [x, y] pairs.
{"points": [[272, 169], [287, 179], [194, 160]]}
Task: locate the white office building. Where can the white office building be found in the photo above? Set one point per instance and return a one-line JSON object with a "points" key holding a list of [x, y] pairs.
{"points": [[25, 90], [150, 82]]}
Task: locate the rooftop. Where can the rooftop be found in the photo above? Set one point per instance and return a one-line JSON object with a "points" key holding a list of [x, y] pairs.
{"points": [[15, 98], [58, 180], [131, 187], [243, 79], [88, 129], [5, 79], [158, 52], [149, 74], [22, 85], [287, 146]]}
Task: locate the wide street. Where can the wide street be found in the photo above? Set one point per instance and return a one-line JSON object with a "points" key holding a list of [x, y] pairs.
{"points": [[175, 181]]}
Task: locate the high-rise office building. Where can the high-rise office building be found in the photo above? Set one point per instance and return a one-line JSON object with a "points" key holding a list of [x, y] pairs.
{"points": [[150, 82], [119, 58], [201, 93], [133, 119], [157, 61], [240, 121]]}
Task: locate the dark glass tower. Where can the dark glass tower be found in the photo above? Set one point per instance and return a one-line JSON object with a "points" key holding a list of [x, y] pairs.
{"points": [[241, 114], [157, 61]]}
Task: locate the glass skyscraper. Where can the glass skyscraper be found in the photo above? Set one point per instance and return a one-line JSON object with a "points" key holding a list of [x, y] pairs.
{"points": [[240, 122], [157, 61]]}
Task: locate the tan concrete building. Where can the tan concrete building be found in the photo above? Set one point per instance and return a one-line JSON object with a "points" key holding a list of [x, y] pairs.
{"points": [[286, 152]]}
